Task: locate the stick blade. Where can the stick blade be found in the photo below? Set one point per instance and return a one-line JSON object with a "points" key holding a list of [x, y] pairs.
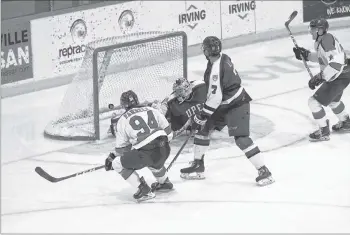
{"points": [[45, 175], [291, 17]]}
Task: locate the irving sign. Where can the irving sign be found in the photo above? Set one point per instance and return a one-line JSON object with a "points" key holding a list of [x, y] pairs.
{"points": [[327, 9]]}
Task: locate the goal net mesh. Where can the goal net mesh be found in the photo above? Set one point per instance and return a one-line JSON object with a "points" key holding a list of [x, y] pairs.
{"points": [[147, 63]]}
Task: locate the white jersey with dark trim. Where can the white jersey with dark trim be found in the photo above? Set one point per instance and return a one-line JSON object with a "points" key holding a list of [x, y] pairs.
{"points": [[139, 126], [331, 56]]}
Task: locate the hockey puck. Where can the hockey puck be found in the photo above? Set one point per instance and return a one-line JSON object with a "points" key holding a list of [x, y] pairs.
{"points": [[111, 106]]}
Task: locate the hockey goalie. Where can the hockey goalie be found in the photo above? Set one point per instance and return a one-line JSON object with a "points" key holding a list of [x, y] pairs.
{"points": [[186, 100]]}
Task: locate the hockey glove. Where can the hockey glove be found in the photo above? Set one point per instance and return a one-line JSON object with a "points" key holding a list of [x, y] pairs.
{"points": [[300, 51], [198, 121], [316, 81], [108, 161], [160, 106]]}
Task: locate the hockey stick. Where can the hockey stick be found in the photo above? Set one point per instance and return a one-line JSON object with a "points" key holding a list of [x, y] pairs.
{"points": [[112, 106], [176, 134], [179, 152], [52, 179], [174, 159], [291, 17]]}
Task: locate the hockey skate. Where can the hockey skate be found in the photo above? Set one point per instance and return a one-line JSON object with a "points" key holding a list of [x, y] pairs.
{"points": [[144, 192], [195, 171], [321, 134], [265, 177], [164, 187], [342, 126]]}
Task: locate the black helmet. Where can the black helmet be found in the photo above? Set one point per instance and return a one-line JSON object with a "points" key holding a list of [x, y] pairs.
{"points": [[129, 99], [212, 45], [320, 23]]}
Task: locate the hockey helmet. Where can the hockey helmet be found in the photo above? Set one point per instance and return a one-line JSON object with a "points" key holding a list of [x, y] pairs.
{"points": [[317, 24], [211, 46], [129, 99], [182, 89]]}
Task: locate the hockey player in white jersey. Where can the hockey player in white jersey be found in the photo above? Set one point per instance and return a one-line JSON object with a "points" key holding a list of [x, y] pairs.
{"points": [[142, 140], [334, 77]]}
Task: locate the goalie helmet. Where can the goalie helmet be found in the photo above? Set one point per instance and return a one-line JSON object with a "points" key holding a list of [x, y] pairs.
{"points": [[129, 99], [211, 46], [182, 89]]}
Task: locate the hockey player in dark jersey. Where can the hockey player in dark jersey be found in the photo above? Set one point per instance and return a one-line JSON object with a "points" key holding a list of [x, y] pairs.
{"points": [[227, 99], [334, 77], [186, 100]]}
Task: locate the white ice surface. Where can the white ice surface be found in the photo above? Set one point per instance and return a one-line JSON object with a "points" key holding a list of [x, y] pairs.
{"points": [[311, 193]]}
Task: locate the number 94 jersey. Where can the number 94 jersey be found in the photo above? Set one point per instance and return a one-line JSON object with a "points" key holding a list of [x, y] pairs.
{"points": [[139, 126]]}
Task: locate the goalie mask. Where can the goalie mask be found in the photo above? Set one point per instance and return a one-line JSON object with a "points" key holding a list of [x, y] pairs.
{"points": [[129, 99], [211, 46], [182, 89]]}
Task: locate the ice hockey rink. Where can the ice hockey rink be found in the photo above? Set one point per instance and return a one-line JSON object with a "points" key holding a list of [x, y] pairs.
{"points": [[311, 192]]}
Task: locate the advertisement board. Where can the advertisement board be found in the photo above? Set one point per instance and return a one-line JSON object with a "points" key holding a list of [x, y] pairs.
{"points": [[326, 9], [238, 18], [60, 41], [16, 51], [199, 20]]}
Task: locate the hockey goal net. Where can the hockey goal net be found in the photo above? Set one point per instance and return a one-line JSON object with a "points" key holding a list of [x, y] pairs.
{"points": [[147, 63]]}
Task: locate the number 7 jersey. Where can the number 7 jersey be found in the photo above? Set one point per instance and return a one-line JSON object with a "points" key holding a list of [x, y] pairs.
{"points": [[139, 126], [224, 86]]}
